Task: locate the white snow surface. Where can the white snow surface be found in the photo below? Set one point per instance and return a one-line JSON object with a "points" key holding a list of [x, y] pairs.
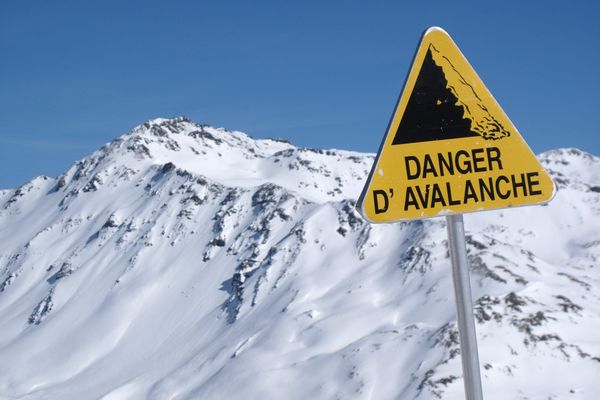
{"points": [[181, 261]]}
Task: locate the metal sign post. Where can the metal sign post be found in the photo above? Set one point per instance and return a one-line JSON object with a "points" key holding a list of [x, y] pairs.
{"points": [[464, 307], [450, 149]]}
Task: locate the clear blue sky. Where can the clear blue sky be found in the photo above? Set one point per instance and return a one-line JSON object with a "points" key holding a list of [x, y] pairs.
{"points": [[74, 75]]}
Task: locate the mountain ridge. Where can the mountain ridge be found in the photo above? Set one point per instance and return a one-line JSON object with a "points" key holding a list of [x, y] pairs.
{"points": [[166, 275]]}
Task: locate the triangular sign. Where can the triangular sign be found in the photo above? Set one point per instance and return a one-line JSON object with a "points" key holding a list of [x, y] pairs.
{"points": [[449, 147]]}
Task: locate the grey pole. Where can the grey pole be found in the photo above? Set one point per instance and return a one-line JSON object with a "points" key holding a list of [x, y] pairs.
{"points": [[464, 307]]}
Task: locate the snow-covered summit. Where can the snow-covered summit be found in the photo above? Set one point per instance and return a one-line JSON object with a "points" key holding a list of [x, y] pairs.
{"points": [[233, 158], [186, 261], [572, 164]]}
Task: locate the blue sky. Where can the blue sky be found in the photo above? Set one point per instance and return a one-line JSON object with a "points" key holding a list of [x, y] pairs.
{"points": [[74, 75]]}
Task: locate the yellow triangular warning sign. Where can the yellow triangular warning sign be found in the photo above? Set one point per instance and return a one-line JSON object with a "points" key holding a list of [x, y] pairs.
{"points": [[449, 147]]}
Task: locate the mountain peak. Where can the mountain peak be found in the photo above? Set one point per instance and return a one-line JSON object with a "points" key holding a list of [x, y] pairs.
{"points": [[168, 131], [229, 158]]}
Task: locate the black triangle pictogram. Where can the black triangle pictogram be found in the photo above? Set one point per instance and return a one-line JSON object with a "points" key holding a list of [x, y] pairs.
{"points": [[432, 112]]}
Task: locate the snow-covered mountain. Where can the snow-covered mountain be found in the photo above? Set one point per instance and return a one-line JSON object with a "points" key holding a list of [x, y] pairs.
{"points": [[184, 261]]}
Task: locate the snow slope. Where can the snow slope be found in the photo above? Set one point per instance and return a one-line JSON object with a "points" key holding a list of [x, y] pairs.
{"points": [[184, 261]]}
